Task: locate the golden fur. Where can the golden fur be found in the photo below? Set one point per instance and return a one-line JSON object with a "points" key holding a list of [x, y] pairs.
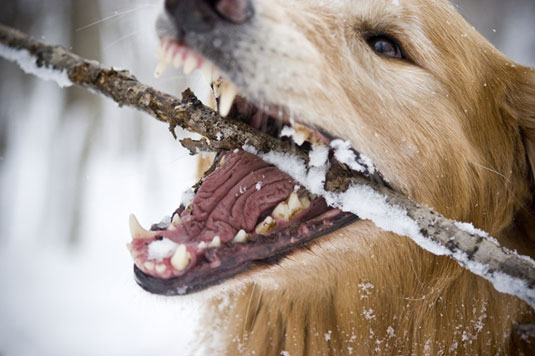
{"points": [[454, 129]]}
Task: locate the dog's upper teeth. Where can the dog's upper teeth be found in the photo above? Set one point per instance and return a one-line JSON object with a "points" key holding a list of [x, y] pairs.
{"points": [[160, 68], [241, 237], [181, 258], [190, 63], [265, 226], [216, 74], [178, 61], [207, 69], [137, 231], [228, 93]]}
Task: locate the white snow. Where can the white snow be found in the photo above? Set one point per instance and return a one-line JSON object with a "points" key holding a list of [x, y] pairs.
{"points": [[344, 154], [187, 197], [160, 249], [287, 131], [319, 155], [27, 62]]}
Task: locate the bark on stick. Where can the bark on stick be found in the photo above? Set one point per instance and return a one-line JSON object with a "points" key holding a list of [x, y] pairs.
{"points": [[508, 272]]}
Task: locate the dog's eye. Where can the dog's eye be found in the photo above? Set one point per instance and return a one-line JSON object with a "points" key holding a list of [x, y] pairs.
{"points": [[386, 46]]}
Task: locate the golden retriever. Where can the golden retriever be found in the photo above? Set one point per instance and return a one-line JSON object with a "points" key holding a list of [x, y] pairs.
{"points": [[447, 119]]}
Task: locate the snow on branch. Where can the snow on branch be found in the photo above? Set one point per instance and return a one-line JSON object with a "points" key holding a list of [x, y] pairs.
{"points": [[342, 188]]}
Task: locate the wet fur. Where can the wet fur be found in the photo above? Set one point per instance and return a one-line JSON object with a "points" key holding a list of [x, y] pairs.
{"points": [[453, 129]]}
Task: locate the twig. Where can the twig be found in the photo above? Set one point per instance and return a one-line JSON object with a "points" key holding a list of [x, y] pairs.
{"points": [[509, 272]]}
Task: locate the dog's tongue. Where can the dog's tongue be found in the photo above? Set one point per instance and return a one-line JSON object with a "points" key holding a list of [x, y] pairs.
{"points": [[233, 198]]}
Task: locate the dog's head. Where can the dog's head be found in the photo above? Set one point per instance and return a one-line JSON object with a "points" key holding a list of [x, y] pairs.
{"points": [[445, 117]]}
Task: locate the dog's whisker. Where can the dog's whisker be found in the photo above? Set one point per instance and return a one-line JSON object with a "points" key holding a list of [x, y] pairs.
{"points": [[123, 38], [114, 15]]}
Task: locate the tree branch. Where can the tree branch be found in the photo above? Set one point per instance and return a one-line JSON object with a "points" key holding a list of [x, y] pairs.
{"points": [[508, 272]]}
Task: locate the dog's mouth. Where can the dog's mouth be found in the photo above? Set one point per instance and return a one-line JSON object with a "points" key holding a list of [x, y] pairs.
{"points": [[243, 213]]}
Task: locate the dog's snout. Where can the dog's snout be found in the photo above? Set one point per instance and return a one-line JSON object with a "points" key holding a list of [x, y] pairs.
{"points": [[204, 15], [236, 11]]}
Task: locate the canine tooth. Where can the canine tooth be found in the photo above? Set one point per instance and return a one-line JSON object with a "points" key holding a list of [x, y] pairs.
{"points": [[160, 68], [137, 231], [216, 242], [149, 265], [282, 211], [181, 258], [190, 63], [161, 268], [228, 94], [265, 226], [207, 68], [294, 204], [216, 74], [241, 237]]}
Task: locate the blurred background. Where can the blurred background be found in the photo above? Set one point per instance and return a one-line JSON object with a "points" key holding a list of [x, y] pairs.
{"points": [[73, 166]]}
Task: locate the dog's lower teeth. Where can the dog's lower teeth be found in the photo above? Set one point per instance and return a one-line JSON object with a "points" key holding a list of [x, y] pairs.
{"points": [[305, 202], [161, 268], [181, 258], [265, 226], [202, 245], [216, 242], [294, 205], [149, 265], [282, 211], [241, 237]]}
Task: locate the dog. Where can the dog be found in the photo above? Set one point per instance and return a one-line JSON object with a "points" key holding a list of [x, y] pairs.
{"points": [[448, 121]]}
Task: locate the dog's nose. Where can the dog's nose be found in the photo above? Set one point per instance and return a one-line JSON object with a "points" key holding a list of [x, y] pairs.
{"points": [[203, 15]]}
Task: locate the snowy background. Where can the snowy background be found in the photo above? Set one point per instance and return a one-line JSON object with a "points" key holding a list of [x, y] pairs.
{"points": [[73, 166]]}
